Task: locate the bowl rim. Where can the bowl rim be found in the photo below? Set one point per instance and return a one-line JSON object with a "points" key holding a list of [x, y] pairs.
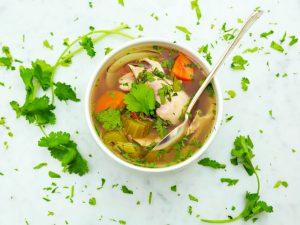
{"points": [[181, 47]]}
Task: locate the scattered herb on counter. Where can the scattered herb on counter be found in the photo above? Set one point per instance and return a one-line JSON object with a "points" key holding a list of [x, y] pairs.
{"points": [[281, 183], [122, 222], [266, 34], [195, 6], [229, 118], [283, 75], [173, 188], [283, 38], [293, 40], [39, 166], [238, 63], [125, 190], [88, 45], [229, 181], [150, 198], [121, 2], [91, 4], [50, 213], [102, 184], [107, 50], [47, 44], [270, 112], [231, 94], [211, 163], [205, 53], [276, 46], [7, 60], [139, 27], [193, 198], [186, 31], [154, 16], [252, 50], [190, 210], [244, 83], [92, 201], [53, 174]]}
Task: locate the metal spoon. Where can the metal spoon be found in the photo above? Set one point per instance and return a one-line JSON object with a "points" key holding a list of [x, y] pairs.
{"points": [[178, 132]]}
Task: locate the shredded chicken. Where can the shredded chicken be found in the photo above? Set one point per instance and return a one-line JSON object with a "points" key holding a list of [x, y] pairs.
{"points": [[126, 81]]}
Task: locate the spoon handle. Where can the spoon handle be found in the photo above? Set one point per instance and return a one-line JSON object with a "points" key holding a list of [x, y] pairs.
{"points": [[254, 16]]}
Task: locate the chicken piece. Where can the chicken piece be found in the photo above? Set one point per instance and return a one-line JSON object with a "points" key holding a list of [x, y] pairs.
{"points": [[126, 81], [136, 70], [154, 64], [148, 140], [172, 110]]}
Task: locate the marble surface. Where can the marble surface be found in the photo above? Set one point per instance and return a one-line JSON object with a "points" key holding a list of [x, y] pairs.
{"points": [[21, 187]]}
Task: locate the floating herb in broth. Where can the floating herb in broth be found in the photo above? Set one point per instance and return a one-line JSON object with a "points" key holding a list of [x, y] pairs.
{"points": [[142, 96]]}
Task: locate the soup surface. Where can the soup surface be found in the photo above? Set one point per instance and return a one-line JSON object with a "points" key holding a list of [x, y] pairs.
{"points": [[142, 96]]}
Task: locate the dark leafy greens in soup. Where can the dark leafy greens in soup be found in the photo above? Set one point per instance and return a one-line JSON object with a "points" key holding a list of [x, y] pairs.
{"points": [[142, 96]]}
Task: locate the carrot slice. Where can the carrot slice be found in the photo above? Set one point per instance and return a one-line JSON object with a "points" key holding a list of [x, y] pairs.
{"points": [[110, 99], [182, 69]]}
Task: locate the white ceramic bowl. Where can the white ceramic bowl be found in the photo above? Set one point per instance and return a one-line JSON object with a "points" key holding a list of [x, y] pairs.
{"points": [[111, 57]]}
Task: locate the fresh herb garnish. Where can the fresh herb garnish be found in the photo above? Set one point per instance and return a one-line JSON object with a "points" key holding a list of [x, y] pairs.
{"points": [[281, 183], [276, 46], [293, 40], [39, 166], [283, 38], [173, 188], [193, 198], [186, 31], [266, 34], [161, 127], [88, 45], [92, 201], [150, 198], [244, 83], [238, 63], [229, 181], [139, 27], [65, 92], [110, 119], [126, 190], [7, 61], [140, 99], [231, 94], [107, 50], [211, 163], [53, 175], [252, 50], [206, 54], [195, 6], [190, 210], [47, 44]]}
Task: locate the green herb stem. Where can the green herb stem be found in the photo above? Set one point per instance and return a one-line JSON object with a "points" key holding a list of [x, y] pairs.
{"points": [[223, 221], [43, 131]]}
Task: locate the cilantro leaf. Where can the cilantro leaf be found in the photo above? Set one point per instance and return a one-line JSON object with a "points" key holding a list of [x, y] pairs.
{"points": [[281, 183], [186, 31], [238, 63], [139, 27], [293, 41], [88, 45], [276, 46], [126, 190], [211, 163], [195, 6], [110, 119], [229, 181], [206, 54], [65, 92], [140, 99], [42, 71], [266, 34], [62, 148], [242, 153], [244, 83], [228, 37]]}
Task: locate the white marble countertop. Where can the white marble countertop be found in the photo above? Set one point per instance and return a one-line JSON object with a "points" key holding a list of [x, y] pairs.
{"points": [[21, 187]]}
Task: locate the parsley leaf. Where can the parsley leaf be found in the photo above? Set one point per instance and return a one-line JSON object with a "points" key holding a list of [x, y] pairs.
{"points": [[140, 99], [281, 183], [42, 71], [126, 190], [229, 181], [110, 119], [244, 83], [88, 45], [276, 46], [293, 41], [266, 34], [195, 6], [238, 63], [186, 31], [65, 150], [211, 163], [65, 92]]}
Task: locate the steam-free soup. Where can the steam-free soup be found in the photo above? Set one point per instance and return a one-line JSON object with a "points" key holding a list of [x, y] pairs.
{"points": [[142, 96]]}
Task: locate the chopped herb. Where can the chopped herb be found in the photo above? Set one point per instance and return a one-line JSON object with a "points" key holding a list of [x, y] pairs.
{"points": [[211, 163], [88, 45], [139, 27], [210, 90], [206, 54], [244, 83], [65, 92], [160, 126], [173, 188], [238, 63], [90, 4], [186, 31], [102, 184], [293, 40], [122, 222], [195, 6], [283, 38], [107, 50], [224, 29], [252, 50], [231, 94], [190, 210], [50, 213], [126, 190], [110, 119], [281, 183], [229, 119], [228, 37], [53, 175], [271, 113], [150, 198], [266, 34], [47, 44], [230, 182], [140, 99], [7, 60], [121, 2], [168, 63], [239, 20], [39, 166], [92, 201], [154, 16], [276, 46], [193, 198]]}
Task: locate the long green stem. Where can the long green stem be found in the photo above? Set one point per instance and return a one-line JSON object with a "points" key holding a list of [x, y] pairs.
{"points": [[61, 58], [223, 221], [43, 131], [258, 182]]}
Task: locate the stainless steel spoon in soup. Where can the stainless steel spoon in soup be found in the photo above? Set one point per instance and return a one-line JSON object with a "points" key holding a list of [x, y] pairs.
{"points": [[177, 133]]}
